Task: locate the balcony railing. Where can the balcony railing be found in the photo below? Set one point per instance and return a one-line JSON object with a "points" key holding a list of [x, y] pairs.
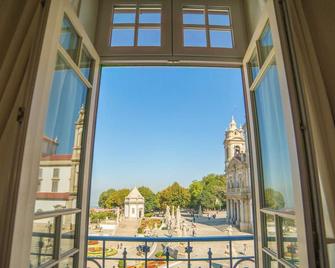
{"points": [[170, 257]]}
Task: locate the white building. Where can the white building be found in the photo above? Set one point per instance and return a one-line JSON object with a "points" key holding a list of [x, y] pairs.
{"points": [[239, 202], [58, 174], [134, 205]]}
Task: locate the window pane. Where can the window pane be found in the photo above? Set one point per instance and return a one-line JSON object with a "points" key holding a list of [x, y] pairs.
{"points": [[290, 242], [265, 42], [124, 15], [275, 158], [149, 37], [270, 262], [221, 39], [253, 67], [42, 244], [195, 38], [331, 255], [69, 38], [150, 15], [86, 63], [62, 140], [66, 263], [271, 239], [123, 37], [68, 232], [218, 17], [193, 16]]}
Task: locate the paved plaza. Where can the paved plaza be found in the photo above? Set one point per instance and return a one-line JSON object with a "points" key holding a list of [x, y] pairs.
{"points": [[195, 226]]}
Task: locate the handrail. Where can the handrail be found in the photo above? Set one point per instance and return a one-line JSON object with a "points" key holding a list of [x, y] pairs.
{"points": [[171, 238], [234, 261]]}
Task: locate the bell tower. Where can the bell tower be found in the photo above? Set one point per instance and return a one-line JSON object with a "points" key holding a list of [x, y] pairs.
{"points": [[234, 142]]}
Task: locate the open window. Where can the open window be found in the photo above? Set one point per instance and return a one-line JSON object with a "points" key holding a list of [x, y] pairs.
{"points": [[186, 32]]}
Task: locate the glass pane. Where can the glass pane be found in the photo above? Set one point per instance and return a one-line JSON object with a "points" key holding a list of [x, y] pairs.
{"points": [[69, 38], [271, 239], [253, 67], [275, 158], [66, 263], [290, 242], [221, 39], [193, 16], [195, 38], [331, 255], [62, 140], [42, 244], [265, 42], [270, 262], [218, 17], [123, 37], [68, 232], [124, 15], [150, 15], [86, 63], [149, 37]]}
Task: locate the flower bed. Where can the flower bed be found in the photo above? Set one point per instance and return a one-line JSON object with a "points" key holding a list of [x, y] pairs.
{"points": [[148, 223], [96, 251]]}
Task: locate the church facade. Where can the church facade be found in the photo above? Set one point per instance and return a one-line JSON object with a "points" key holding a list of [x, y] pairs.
{"points": [[134, 205], [238, 192]]}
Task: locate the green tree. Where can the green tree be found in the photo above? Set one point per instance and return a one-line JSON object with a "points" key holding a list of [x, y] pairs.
{"points": [[195, 189], [209, 192], [104, 196], [274, 199], [151, 200], [174, 195], [116, 198]]}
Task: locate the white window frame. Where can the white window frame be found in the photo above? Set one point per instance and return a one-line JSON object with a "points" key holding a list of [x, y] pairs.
{"points": [[233, 54], [104, 28], [44, 67], [172, 49]]}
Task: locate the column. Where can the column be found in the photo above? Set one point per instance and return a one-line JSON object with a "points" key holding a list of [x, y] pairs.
{"points": [[242, 215], [233, 211], [228, 209], [237, 212]]}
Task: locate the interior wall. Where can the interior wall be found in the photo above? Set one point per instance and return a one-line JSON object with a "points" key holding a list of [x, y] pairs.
{"points": [[88, 14], [253, 10], [321, 22]]}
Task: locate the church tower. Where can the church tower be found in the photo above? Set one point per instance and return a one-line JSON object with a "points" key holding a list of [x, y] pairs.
{"points": [[78, 134], [234, 142]]}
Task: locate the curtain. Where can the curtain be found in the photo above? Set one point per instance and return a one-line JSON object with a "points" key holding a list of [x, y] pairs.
{"points": [[320, 123], [20, 29]]}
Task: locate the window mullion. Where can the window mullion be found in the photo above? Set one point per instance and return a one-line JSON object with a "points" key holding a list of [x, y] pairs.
{"points": [[207, 27], [137, 15]]}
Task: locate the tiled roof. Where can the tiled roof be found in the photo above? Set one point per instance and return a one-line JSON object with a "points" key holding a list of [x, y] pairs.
{"points": [[55, 157], [53, 196]]}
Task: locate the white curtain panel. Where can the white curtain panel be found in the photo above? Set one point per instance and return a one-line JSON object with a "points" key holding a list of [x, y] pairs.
{"points": [[20, 27]]}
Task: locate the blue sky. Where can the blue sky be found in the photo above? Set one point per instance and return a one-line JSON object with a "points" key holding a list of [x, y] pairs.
{"points": [[157, 125]]}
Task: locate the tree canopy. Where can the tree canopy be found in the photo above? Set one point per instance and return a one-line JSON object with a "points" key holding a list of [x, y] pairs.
{"points": [[209, 193], [274, 199], [174, 195], [151, 201], [116, 198], [104, 196]]}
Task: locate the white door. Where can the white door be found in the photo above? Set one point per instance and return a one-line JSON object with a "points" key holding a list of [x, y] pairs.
{"points": [[283, 221], [57, 159]]}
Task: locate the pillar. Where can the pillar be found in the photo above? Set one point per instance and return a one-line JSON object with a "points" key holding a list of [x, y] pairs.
{"points": [[238, 212]]}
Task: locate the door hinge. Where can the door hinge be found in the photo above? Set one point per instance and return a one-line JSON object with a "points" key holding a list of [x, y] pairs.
{"points": [[20, 115]]}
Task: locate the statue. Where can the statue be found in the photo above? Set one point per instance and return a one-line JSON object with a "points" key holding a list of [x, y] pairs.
{"points": [[178, 217], [117, 215], [200, 211]]}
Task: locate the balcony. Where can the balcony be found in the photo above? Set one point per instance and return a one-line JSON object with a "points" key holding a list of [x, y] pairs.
{"points": [[231, 251]]}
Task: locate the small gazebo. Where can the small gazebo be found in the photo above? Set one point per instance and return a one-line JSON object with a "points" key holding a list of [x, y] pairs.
{"points": [[134, 205]]}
